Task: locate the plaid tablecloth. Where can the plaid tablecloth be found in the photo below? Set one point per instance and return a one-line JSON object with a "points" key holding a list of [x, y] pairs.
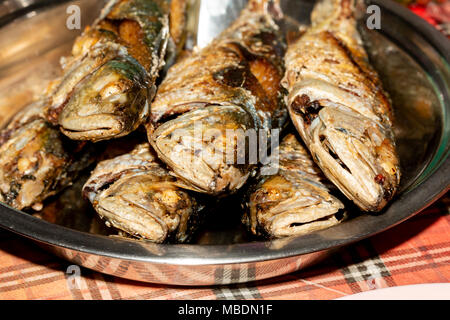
{"points": [[414, 252]]}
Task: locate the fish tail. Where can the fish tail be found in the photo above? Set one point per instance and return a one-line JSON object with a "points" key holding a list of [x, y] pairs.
{"points": [[271, 7]]}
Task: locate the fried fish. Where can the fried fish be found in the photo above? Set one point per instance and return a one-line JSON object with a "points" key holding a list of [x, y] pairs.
{"points": [[293, 201], [136, 194], [340, 109], [110, 79]]}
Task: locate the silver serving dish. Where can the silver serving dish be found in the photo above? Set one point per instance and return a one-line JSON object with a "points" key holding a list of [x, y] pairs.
{"points": [[412, 58]]}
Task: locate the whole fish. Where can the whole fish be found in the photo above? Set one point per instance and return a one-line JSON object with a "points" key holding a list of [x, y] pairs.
{"points": [[37, 160], [231, 86], [134, 193], [338, 106], [295, 200], [110, 79]]}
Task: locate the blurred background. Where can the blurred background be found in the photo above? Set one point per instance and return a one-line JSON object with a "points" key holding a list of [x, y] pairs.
{"points": [[436, 12]]}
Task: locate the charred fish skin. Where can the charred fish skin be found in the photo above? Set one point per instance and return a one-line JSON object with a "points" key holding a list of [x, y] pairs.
{"points": [[135, 194], [340, 109], [109, 80], [294, 201], [232, 84], [36, 160]]}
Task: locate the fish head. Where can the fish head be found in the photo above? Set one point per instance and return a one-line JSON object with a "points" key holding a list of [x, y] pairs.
{"points": [[110, 103], [207, 147], [356, 153], [146, 205]]}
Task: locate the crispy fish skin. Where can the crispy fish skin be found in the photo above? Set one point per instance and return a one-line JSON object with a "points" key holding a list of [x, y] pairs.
{"points": [[109, 80], [294, 201], [338, 106], [36, 160], [232, 84], [136, 194]]}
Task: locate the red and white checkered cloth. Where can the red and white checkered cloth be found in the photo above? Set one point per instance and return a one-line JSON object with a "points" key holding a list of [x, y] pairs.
{"points": [[415, 252]]}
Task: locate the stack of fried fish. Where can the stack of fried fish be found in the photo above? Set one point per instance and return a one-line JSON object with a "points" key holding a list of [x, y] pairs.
{"points": [[249, 82]]}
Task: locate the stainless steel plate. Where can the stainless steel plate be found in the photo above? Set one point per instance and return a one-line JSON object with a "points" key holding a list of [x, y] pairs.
{"points": [[412, 59]]}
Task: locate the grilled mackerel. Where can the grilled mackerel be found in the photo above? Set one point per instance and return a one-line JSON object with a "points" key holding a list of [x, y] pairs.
{"points": [[338, 105], [231, 86], [36, 160], [295, 200], [109, 80], [136, 194]]}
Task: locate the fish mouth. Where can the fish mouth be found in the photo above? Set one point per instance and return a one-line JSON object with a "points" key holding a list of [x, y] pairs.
{"points": [[87, 128], [198, 149], [302, 214], [297, 224], [349, 149]]}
